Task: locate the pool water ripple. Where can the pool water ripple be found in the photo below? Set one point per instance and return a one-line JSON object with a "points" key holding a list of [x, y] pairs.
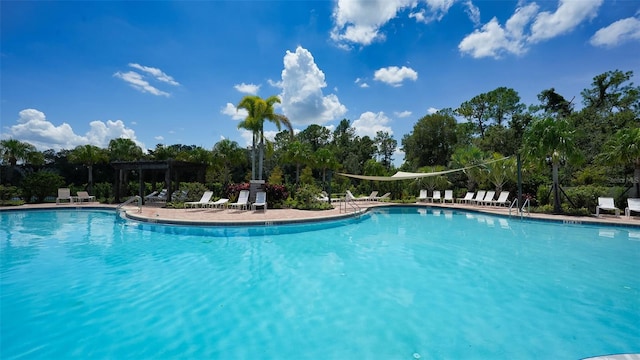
{"points": [[395, 283]]}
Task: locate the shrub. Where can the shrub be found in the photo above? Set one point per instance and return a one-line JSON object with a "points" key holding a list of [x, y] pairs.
{"points": [[8, 195], [276, 195], [41, 184], [306, 198]]}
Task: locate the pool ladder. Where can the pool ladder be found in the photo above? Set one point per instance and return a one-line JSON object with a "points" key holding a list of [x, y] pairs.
{"points": [[526, 208], [129, 201], [350, 203]]}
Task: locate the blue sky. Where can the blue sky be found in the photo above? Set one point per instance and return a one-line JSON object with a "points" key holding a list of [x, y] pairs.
{"points": [[79, 72]]}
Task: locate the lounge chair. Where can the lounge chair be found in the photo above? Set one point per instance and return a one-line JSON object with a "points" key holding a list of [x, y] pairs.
{"points": [[243, 201], [204, 201], [261, 200], [147, 197], [383, 197], [323, 197], [423, 196], [448, 196], [479, 197], [436, 196], [179, 196], [218, 204], [64, 194], [488, 198], [502, 199], [371, 196], [633, 205], [467, 198], [83, 196], [160, 197], [606, 203], [350, 196]]}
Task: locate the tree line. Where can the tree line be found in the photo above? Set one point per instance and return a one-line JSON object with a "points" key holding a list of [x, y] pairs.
{"points": [[594, 149]]}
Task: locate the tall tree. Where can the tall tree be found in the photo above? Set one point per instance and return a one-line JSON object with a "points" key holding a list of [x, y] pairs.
{"points": [[550, 139], [315, 135], [13, 151], [477, 110], [386, 145], [612, 91], [553, 103], [431, 142], [259, 110], [226, 154], [503, 104], [122, 149], [88, 155], [298, 153]]}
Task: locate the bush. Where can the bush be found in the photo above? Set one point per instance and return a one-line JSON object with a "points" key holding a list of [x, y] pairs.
{"points": [[306, 198], [9, 195], [41, 184], [276, 195]]}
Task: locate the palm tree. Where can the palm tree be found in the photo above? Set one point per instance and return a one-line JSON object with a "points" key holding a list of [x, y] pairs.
{"points": [[88, 155], [500, 170], [623, 149], [122, 149], [298, 153], [260, 110], [469, 157], [12, 151], [226, 153], [551, 140]]}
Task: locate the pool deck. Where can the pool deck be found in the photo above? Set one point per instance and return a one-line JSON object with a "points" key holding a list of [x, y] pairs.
{"points": [[206, 216]]}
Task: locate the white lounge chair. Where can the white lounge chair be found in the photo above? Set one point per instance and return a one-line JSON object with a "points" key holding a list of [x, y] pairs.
{"points": [[148, 196], [488, 198], [64, 194], [349, 196], [502, 199], [243, 201], [606, 203], [218, 204], [467, 198], [436, 196], [479, 197], [633, 205], [323, 197], [371, 196], [261, 201], [204, 201], [383, 197], [83, 196], [448, 196], [423, 196]]}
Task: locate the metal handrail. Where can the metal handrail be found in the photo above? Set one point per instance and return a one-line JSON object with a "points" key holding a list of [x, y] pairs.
{"points": [[521, 210], [129, 201]]}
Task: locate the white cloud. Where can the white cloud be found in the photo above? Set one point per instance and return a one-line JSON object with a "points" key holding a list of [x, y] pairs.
{"points": [[159, 138], [403, 114], [361, 83], [526, 27], [247, 136], [473, 12], [617, 33], [394, 75], [359, 21], [34, 128], [492, 40], [370, 123], [435, 11], [137, 82], [156, 73], [235, 113], [302, 99], [250, 89], [570, 13], [432, 110]]}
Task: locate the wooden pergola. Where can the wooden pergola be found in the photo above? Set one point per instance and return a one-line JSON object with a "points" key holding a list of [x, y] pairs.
{"points": [[173, 170]]}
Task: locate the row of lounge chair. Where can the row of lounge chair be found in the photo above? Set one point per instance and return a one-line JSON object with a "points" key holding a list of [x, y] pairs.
{"points": [[607, 203], [242, 203], [65, 197], [482, 197], [163, 196]]}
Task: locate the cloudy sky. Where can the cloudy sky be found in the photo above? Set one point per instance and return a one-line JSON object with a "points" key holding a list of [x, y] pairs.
{"points": [[78, 72]]}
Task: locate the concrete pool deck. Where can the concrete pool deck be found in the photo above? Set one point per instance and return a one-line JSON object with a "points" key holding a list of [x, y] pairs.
{"points": [[151, 213]]}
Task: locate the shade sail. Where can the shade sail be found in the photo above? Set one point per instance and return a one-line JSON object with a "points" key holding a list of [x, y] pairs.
{"points": [[402, 175]]}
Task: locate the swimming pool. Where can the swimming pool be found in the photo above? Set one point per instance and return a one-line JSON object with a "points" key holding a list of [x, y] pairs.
{"points": [[401, 283]]}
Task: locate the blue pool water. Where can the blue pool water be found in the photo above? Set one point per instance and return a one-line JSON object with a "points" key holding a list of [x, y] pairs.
{"points": [[401, 283]]}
